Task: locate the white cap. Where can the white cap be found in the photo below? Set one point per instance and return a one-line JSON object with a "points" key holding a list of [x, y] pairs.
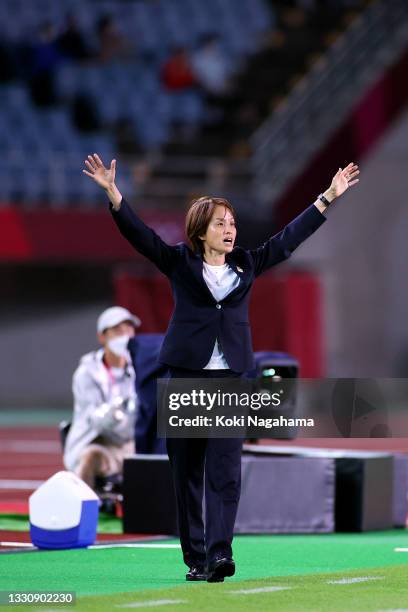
{"points": [[113, 316]]}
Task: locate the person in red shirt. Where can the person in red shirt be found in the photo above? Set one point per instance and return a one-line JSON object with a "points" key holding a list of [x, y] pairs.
{"points": [[177, 74]]}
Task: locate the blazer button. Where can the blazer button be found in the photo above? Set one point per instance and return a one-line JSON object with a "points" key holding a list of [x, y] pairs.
{"points": [[218, 306]]}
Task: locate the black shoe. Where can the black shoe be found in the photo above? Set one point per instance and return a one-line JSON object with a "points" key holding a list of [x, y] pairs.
{"points": [[220, 568], [196, 572]]}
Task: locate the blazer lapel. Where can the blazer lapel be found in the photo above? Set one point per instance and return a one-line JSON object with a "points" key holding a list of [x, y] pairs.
{"points": [[242, 273], [197, 269]]}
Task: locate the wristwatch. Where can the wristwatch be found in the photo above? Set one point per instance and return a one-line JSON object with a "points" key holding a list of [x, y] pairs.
{"points": [[323, 199]]}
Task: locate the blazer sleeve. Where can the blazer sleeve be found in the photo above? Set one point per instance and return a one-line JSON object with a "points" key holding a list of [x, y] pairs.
{"points": [[280, 246], [143, 238]]}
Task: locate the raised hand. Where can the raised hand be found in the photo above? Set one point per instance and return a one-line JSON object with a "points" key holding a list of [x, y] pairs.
{"points": [[343, 179], [104, 177]]}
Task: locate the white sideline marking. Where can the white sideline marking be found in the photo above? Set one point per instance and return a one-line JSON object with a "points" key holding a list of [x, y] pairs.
{"points": [[145, 604], [24, 485], [269, 589], [355, 580], [42, 447], [124, 545], [19, 544], [96, 546], [400, 549]]}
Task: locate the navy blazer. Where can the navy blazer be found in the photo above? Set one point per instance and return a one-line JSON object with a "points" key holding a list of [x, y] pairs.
{"points": [[198, 319]]}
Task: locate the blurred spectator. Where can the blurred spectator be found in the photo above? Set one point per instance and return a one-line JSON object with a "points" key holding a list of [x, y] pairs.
{"points": [[210, 67], [112, 44], [71, 42], [177, 74], [102, 431], [126, 138], [84, 113], [8, 68], [44, 60]]}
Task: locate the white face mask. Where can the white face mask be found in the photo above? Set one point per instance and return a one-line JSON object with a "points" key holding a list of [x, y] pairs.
{"points": [[118, 345]]}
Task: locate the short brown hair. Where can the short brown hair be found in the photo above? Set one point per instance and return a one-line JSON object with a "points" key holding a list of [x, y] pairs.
{"points": [[199, 216]]}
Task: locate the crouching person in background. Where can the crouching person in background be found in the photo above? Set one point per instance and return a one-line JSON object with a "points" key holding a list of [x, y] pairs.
{"points": [[102, 430]]}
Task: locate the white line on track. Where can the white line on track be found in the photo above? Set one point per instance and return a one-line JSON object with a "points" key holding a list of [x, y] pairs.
{"points": [[41, 447], [24, 485], [355, 580], [124, 545], [400, 549], [149, 604], [17, 544], [269, 589], [99, 546]]}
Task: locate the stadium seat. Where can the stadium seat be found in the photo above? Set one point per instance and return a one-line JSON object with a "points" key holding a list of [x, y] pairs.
{"points": [[119, 89]]}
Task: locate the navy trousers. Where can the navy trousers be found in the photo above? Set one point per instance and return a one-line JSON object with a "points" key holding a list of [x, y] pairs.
{"points": [[213, 465]]}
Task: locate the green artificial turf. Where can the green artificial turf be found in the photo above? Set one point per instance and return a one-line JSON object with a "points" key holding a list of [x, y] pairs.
{"points": [[116, 570], [40, 417], [386, 591], [20, 522], [14, 522]]}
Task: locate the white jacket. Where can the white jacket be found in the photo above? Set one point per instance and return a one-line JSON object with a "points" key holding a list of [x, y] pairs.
{"points": [[104, 405]]}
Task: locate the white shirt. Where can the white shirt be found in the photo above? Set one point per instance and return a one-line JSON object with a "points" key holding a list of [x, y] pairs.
{"points": [[211, 70], [220, 280]]}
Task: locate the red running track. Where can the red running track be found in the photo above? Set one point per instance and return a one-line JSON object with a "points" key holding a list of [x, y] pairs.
{"points": [[34, 454], [27, 454]]}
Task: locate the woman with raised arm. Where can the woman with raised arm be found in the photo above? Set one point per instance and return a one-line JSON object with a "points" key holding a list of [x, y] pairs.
{"points": [[209, 337]]}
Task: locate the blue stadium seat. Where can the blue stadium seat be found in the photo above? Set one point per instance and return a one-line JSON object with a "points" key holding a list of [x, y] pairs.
{"points": [[120, 89]]}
